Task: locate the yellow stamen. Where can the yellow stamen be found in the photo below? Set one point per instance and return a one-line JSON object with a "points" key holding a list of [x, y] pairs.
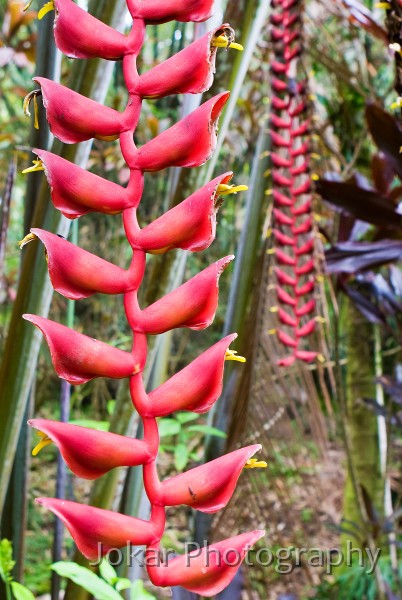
{"points": [[37, 166], [45, 441], [274, 309], [231, 355], [223, 42], [268, 192], [271, 331], [224, 189], [271, 251], [45, 9], [321, 358], [315, 177], [397, 103], [107, 138], [254, 463], [396, 47], [28, 238], [27, 101]]}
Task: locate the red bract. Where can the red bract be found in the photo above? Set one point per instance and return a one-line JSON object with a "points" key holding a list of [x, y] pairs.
{"points": [[74, 118], [154, 11], [76, 192], [206, 572], [91, 453], [79, 358], [208, 487], [77, 273], [189, 143], [195, 388], [191, 225], [192, 305], [190, 71], [79, 35], [96, 531]]}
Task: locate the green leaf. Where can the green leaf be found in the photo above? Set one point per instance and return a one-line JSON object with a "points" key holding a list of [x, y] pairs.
{"points": [[110, 407], [185, 417], [123, 584], [180, 456], [87, 580], [168, 427], [21, 592], [139, 593], [207, 430], [92, 424], [107, 572], [6, 559]]}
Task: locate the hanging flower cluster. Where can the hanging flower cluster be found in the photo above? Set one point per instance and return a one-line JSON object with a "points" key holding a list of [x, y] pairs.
{"points": [[291, 182], [77, 274]]}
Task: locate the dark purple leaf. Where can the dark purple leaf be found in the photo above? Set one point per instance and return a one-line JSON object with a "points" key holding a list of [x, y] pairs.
{"points": [[366, 205], [387, 135], [352, 257], [383, 173]]}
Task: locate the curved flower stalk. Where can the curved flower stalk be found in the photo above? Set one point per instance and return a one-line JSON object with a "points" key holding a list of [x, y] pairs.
{"points": [[77, 274], [293, 242]]}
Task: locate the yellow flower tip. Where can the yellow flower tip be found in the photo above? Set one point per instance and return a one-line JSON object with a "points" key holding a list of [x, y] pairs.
{"points": [[320, 278], [274, 309], [321, 358], [267, 173], [222, 41], [385, 5], [269, 232], [315, 156], [28, 238], [232, 355], [395, 47], [271, 331], [320, 319], [312, 97], [317, 218], [397, 103], [45, 9], [254, 463], [268, 192], [271, 251], [225, 190], [315, 177], [45, 441], [37, 166]]}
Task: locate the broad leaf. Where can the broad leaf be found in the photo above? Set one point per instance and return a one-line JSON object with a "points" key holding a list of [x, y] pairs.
{"points": [[366, 205], [138, 592], [87, 580], [180, 456], [20, 592], [107, 572], [386, 133], [168, 427], [352, 257], [207, 430]]}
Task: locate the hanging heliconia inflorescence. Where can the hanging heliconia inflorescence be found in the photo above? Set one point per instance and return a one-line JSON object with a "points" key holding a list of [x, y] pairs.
{"points": [[76, 274], [293, 240]]}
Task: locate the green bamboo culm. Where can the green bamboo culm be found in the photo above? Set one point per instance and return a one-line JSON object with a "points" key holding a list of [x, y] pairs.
{"points": [[363, 474]]}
